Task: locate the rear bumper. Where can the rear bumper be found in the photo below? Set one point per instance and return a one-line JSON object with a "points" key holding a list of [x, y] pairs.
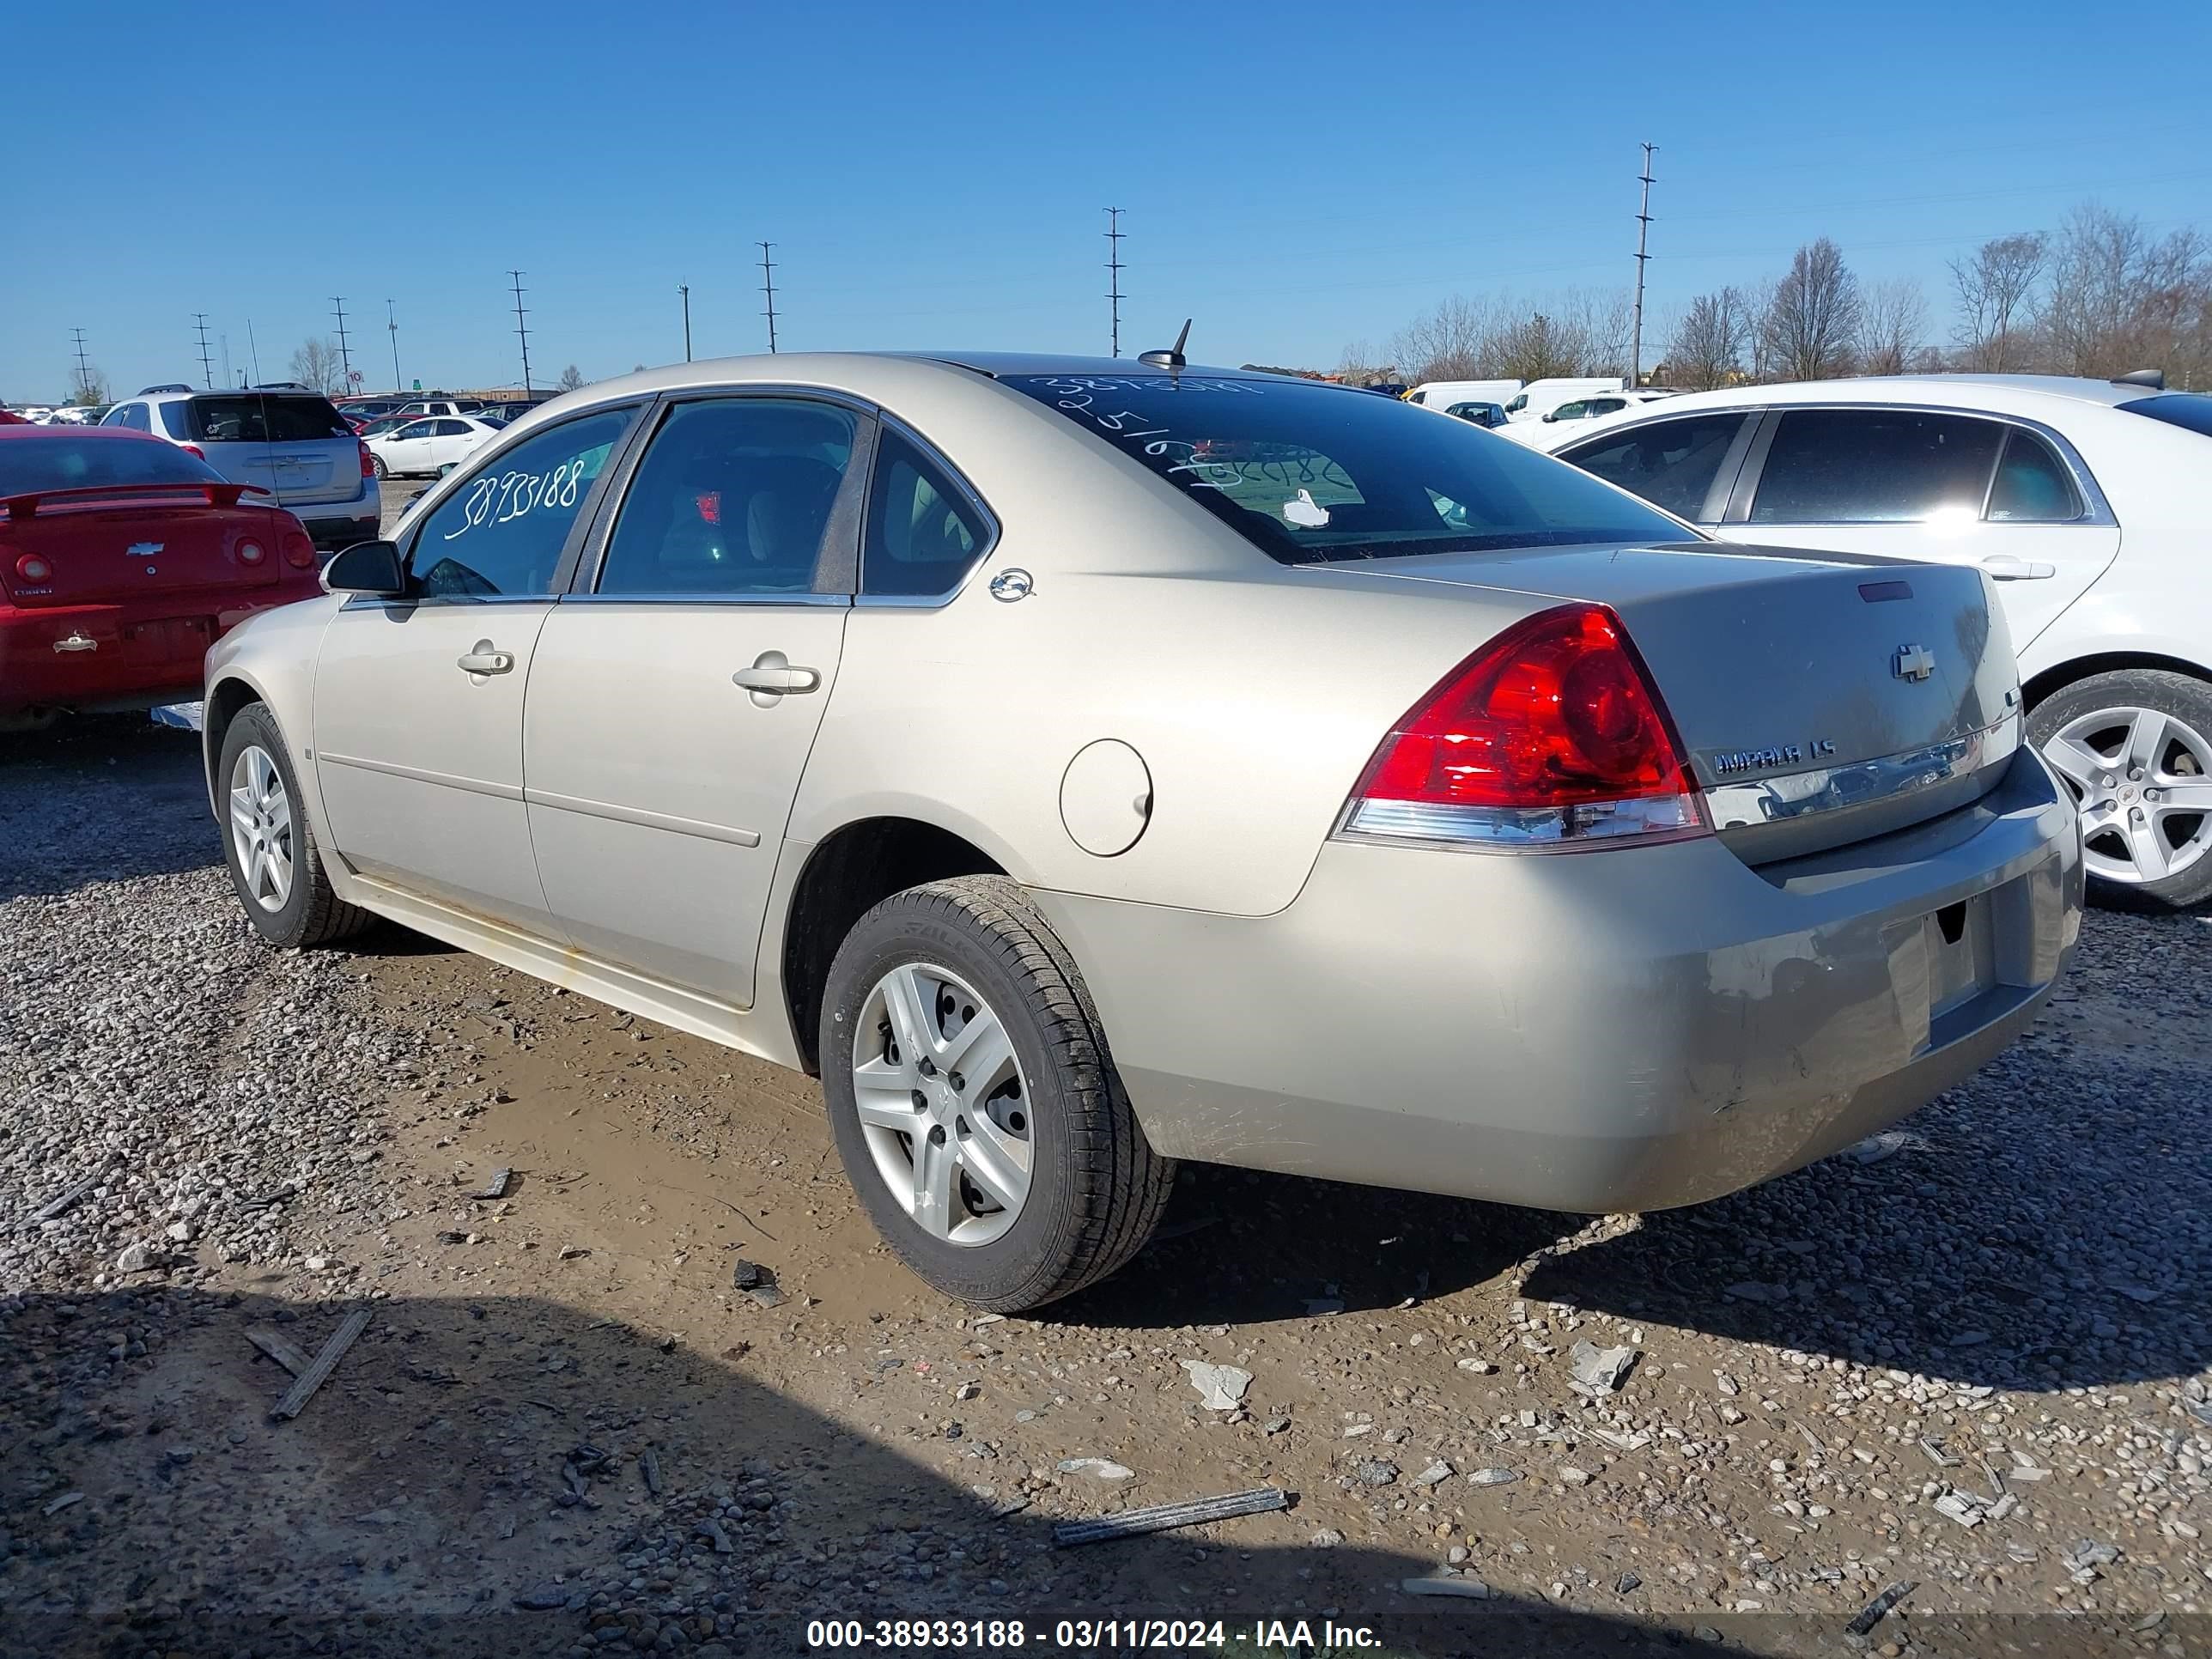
{"points": [[1604, 1031], [91, 657], [334, 524]]}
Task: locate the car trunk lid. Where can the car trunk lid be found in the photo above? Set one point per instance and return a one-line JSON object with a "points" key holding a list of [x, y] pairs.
{"points": [[1821, 698], [114, 543]]}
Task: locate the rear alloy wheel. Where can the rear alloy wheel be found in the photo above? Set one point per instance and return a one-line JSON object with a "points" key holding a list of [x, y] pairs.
{"points": [[376, 466], [974, 1102], [2135, 748]]}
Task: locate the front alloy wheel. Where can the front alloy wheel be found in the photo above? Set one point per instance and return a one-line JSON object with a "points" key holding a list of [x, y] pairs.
{"points": [[261, 828], [2132, 748]]}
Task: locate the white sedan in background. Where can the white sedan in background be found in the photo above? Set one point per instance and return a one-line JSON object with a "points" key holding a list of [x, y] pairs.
{"points": [[1543, 431], [2088, 502], [426, 446]]}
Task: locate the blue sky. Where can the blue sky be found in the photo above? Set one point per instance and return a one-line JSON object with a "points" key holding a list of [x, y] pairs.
{"points": [[1296, 176]]}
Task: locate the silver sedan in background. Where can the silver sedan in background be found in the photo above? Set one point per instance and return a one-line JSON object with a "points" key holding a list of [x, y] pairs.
{"points": [[1082, 765]]}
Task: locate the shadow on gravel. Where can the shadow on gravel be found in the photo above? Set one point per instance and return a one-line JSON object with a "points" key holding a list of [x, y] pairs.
{"points": [[479, 1477], [64, 792], [1238, 1246]]}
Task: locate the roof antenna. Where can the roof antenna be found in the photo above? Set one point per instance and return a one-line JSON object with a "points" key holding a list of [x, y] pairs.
{"points": [[1172, 358], [2153, 378]]}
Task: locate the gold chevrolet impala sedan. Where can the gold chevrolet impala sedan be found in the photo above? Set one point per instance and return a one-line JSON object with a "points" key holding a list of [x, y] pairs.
{"points": [[1082, 765]]}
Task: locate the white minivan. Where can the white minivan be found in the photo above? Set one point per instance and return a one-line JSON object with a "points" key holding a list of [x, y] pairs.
{"points": [[1540, 398], [1442, 394]]}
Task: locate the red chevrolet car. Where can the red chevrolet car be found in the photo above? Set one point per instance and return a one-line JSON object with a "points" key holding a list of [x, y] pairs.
{"points": [[122, 559]]}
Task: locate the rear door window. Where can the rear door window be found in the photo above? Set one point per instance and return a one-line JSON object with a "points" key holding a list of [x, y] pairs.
{"points": [[1670, 463], [503, 533], [250, 417], [924, 534], [453, 429], [731, 497], [2032, 485], [1874, 467]]}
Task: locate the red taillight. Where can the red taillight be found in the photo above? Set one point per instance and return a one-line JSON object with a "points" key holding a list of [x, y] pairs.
{"points": [[193, 449], [299, 549], [1550, 734], [250, 553], [32, 569], [368, 466]]}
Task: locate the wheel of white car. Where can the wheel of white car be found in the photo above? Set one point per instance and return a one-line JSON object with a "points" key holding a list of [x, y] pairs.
{"points": [[2135, 747], [268, 843], [376, 466], [974, 1101]]}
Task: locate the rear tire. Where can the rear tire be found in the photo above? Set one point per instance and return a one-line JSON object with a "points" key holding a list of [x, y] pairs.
{"points": [[269, 846], [1090, 1187], [2135, 748], [376, 466]]}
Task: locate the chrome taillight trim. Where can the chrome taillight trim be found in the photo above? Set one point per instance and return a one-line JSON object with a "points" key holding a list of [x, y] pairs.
{"points": [[1524, 830]]}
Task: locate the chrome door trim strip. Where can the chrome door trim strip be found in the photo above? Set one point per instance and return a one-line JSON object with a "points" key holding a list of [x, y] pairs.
{"points": [[609, 809], [423, 775]]}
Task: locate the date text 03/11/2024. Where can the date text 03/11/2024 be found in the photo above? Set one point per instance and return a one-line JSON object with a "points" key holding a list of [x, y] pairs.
{"points": [[1086, 1635]]}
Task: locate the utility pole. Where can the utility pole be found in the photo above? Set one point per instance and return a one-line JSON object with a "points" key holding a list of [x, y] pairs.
{"points": [[225, 340], [207, 368], [1643, 233], [345, 357], [768, 287], [685, 288], [83, 368], [391, 327], [522, 329], [1114, 278]]}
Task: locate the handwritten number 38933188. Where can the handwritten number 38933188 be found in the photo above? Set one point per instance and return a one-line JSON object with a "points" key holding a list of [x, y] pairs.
{"points": [[502, 498]]}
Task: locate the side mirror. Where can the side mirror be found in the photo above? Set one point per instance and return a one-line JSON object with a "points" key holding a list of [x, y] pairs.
{"points": [[369, 567], [444, 467]]}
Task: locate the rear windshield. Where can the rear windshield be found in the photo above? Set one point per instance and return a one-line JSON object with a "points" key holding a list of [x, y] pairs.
{"points": [[1312, 474], [253, 417], [59, 460], [2191, 410]]}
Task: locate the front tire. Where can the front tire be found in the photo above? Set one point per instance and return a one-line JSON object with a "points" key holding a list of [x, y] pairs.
{"points": [[269, 846], [2135, 748], [974, 1101]]}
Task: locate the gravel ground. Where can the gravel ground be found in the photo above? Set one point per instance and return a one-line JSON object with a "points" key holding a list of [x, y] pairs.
{"points": [[1969, 1356]]}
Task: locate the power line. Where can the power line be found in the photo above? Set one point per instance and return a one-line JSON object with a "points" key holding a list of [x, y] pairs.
{"points": [[207, 368], [83, 368], [768, 287], [391, 327], [522, 330], [1642, 258], [1114, 234], [345, 357], [685, 288]]}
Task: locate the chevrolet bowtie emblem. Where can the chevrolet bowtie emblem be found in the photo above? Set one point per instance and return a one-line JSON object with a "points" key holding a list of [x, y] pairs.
{"points": [[1912, 662]]}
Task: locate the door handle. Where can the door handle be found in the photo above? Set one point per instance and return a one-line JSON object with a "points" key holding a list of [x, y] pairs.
{"points": [[2004, 568], [484, 660], [772, 676]]}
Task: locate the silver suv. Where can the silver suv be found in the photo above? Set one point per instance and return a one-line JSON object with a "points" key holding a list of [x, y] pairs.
{"points": [[287, 439]]}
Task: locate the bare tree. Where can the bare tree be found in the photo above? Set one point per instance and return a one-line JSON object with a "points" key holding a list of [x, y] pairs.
{"points": [[1758, 305], [1815, 314], [1893, 326], [317, 364], [1539, 347], [571, 377], [1995, 288], [1708, 344], [2120, 300], [1446, 343]]}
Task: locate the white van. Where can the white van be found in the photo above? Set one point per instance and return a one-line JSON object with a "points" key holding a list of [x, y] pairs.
{"points": [[1441, 395], [1540, 398]]}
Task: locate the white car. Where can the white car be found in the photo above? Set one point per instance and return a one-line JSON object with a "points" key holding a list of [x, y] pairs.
{"points": [[2088, 503], [426, 446], [1539, 431]]}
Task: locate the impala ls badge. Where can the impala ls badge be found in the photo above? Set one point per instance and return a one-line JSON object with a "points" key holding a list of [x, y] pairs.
{"points": [[145, 549], [1912, 662]]}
